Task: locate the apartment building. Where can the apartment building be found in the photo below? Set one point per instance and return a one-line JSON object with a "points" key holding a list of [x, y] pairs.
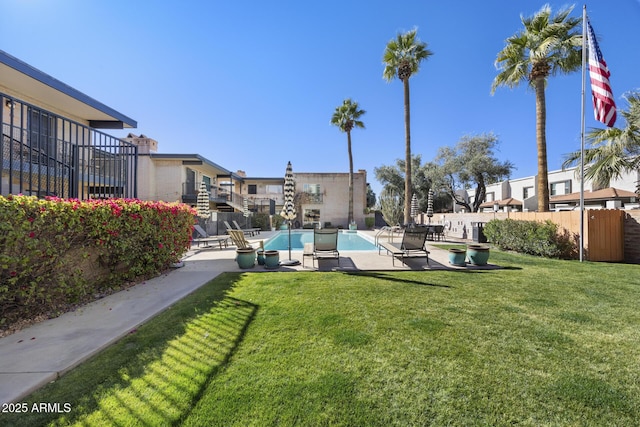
{"points": [[51, 142], [321, 198], [564, 190]]}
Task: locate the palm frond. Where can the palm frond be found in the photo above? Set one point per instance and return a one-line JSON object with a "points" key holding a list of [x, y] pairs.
{"points": [[405, 48]]}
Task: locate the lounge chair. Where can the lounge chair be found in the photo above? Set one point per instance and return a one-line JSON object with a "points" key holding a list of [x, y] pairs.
{"points": [[222, 241], [325, 245], [252, 230], [413, 242], [230, 228]]}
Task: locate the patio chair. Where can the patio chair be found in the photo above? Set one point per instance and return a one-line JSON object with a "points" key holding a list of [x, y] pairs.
{"points": [[412, 244], [325, 245], [205, 238], [252, 230], [439, 232], [230, 228], [238, 239]]}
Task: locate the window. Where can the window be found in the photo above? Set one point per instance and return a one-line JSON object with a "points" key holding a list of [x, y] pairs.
{"points": [[527, 192], [560, 188], [311, 216], [42, 133], [490, 197], [313, 193], [274, 189], [207, 182], [252, 189], [190, 185]]}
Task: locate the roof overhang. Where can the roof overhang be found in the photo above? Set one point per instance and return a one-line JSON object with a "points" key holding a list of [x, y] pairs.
{"points": [[197, 160], [34, 84]]}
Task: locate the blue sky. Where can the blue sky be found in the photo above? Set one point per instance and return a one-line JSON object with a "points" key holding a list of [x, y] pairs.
{"points": [[253, 84]]}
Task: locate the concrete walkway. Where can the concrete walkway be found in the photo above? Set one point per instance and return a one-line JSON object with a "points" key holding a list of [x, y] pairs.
{"points": [[41, 353]]}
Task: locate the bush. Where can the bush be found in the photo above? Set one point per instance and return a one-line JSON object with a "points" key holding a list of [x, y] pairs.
{"points": [[277, 221], [369, 222], [56, 252], [261, 220], [530, 237]]}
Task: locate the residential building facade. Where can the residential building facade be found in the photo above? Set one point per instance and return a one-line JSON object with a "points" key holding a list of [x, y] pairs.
{"points": [[322, 199], [520, 194], [51, 145]]}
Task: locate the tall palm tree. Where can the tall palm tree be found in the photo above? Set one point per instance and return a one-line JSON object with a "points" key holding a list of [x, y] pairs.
{"points": [[346, 117], [548, 45], [402, 58], [612, 151]]}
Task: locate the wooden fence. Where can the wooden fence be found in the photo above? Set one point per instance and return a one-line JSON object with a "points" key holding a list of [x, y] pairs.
{"points": [[603, 229]]}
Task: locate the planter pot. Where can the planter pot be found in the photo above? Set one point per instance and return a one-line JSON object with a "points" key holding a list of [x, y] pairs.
{"points": [[477, 254], [353, 226], [284, 227], [246, 258], [271, 259], [177, 264], [260, 257], [457, 257]]}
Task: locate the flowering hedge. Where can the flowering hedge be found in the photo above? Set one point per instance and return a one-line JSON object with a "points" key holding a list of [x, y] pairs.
{"points": [[55, 252]]}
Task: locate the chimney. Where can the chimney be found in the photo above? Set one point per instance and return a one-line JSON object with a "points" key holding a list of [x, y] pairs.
{"points": [[145, 144]]}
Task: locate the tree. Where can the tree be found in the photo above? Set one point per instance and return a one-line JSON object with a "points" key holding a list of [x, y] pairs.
{"points": [[613, 150], [393, 179], [402, 58], [371, 196], [390, 206], [470, 163], [547, 45], [346, 117]]}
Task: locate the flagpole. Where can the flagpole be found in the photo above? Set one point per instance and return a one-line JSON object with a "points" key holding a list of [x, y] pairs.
{"points": [[584, 79]]}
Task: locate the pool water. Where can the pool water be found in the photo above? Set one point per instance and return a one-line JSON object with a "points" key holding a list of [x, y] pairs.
{"points": [[347, 241]]}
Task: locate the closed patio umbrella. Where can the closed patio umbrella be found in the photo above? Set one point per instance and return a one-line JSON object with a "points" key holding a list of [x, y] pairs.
{"points": [[202, 204], [430, 205], [414, 206], [289, 209], [245, 211]]}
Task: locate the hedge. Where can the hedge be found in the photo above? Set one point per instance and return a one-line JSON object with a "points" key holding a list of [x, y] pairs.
{"points": [[56, 252], [531, 237]]}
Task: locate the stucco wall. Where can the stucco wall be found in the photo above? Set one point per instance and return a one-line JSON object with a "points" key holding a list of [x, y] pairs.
{"points": [[334, 188]]}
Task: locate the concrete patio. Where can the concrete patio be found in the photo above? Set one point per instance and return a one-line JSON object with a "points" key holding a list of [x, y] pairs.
{"points": [[349, 260]]}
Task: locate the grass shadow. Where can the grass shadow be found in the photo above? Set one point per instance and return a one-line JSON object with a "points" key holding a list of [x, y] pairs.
{"points": [[393, 277], [155, 375]]}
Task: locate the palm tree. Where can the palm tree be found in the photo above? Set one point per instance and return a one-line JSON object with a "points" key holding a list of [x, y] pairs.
{"points": [[613, 150], [345, 117], [547, 45], [402, 58]]}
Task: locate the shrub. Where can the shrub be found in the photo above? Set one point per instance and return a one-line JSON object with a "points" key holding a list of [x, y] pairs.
{"points": [[531, 237], [56, 252], [261, 220], [369, 222], [277, 221]]}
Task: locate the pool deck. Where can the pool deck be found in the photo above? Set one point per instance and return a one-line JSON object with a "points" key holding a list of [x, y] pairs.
{"points": [[349, 260]]}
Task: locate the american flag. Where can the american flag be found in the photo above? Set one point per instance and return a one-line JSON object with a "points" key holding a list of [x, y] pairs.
{"points": [[604, 107]]}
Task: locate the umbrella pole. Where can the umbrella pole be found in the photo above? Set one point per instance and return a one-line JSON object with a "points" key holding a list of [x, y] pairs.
{"points": [[290, 261]]}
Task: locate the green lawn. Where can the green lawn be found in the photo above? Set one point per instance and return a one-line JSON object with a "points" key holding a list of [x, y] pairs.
{"points": [[541, 342]]}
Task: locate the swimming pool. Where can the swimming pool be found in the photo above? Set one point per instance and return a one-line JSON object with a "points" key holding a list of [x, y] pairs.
{"points": [[347, 241]]}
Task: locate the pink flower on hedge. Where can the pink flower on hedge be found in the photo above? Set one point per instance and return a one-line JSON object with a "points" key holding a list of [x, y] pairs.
{"points": [[13, 273], [32, 234], [160, 245]]}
